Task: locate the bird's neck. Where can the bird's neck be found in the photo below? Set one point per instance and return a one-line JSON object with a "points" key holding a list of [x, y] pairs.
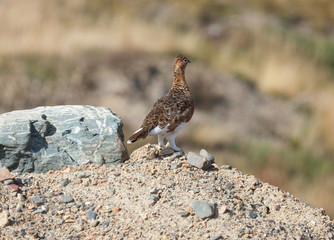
{"points": [[179, 82]]}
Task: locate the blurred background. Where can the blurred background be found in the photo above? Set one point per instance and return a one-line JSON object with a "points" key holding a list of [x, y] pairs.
{"points": [[261, 75]]}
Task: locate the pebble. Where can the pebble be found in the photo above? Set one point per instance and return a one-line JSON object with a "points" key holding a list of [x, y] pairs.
{"points": [[228, 186], [175, 155], [153, 191], [19, 207], [203, 209], [105, 224], [13, 187], [8, 181], [67, 199], [86, 182], [198, 161], [223, 209], [81, 174], [184, 214], [91, 215], [117, 174], [277, 207], [166, 151], [217, 237], [175, 165], [21, 197], [252, 215], [154, 198], [5, 174], [4, 220], [37, 200], [64, 182], [93, 222], [43, 209], [208, 156], [112, 190]]}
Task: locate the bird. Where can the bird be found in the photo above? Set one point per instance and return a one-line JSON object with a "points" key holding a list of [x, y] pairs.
{"points": [[170, 113]]}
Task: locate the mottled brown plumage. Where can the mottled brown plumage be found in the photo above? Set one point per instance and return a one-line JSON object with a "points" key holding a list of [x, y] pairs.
{"points": [[170, 111]]}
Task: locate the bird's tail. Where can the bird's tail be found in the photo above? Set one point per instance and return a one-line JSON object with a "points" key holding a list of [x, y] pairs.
{"points": [[136, 135]]}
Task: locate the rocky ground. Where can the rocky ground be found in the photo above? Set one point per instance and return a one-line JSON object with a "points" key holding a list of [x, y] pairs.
{"points": [[154, 197]]}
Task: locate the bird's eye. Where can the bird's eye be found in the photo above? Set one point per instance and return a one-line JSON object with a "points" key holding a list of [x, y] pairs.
{"points": [[185, 60]]}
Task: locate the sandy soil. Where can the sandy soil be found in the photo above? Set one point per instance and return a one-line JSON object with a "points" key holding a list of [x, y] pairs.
{"points": [[151, 197]]}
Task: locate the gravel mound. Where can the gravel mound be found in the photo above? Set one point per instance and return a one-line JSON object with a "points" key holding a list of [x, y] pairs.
{"points": [[154, 197]]}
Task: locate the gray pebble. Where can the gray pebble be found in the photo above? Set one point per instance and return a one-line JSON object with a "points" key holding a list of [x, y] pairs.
{"points": [[8, 181], [252, 215], [175, 165], [175, 155], [19, 207], [203, 180], [112, 190], [37, 200], [81, 174], [198, 161], [216, 237], [207, 155], [203, 209], [154, 198], [91, 215], [64, 182], [67, 199], [228, 185], [196, 191], [184, 214], [41, 210], [105, 224], [153, 191]]}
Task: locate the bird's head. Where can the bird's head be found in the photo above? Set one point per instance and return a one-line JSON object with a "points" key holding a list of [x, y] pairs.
{"points": [[180, 62]]}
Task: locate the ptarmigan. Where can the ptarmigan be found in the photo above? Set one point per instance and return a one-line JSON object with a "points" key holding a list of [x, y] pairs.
{"points": [[170, 113]]}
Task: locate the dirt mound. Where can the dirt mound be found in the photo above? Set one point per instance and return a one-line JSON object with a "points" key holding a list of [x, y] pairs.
{"points": [[152, 197]]}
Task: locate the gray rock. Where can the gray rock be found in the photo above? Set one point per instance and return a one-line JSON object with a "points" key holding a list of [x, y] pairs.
{"points": [[154, 198], [175, 165], [43, 209], [228, 185], [112, 190], [216, 237], [37, 200], [91, 215], [48, 138], [203, 209], [198, 161], [184, 214], [81, 175], [252, 215], [67, 199], [8, 181], [153, 191], [64, 182], [207, 155]]}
